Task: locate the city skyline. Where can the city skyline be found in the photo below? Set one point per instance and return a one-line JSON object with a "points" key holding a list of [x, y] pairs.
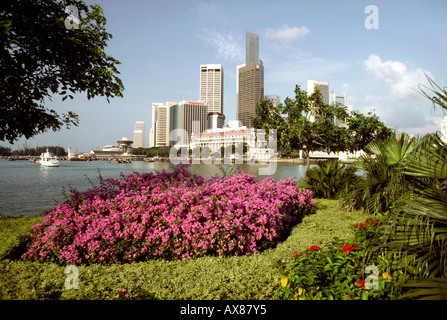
{"points": [[379, 69]]}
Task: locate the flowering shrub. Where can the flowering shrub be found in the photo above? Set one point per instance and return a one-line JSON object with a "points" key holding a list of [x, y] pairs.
{"points": [[168, 215], [339, 271]]}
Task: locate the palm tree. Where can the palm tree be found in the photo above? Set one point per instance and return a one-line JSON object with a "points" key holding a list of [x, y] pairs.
{"points": [[329, 179], [417, 235], [383, 180]]}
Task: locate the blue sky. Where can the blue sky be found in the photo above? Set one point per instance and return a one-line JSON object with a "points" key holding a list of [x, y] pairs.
{"points": [[161, 45]]}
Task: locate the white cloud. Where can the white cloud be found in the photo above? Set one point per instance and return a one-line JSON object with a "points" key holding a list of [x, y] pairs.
{"points": [[286, 33], [228, 46], [401, 82], [398, 103]]}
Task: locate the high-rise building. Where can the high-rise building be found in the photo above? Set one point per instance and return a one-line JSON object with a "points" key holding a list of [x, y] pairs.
{"points": [[339, 99], [189, 117], [161, 124], [324, 87], [138, 135], [251, 48], [215, 120], [275, 100], [211, 86], [250, 81], [251, 90]]}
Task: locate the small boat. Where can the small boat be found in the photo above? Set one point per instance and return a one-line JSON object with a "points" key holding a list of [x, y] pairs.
{"points": [[48, 160]]}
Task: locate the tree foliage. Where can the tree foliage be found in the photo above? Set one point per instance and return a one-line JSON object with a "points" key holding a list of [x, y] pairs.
{"points": [[40, 57], [307, 123]]}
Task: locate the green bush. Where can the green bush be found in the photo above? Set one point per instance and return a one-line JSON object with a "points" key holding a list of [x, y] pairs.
{"points": [[329, 180], [338, 271]]}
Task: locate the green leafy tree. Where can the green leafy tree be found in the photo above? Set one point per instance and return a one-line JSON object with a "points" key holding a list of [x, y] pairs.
{"points": [[45, 50], [307, 123]]}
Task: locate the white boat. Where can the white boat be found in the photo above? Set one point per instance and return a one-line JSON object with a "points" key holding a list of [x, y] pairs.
{"points": [[48, 160]]}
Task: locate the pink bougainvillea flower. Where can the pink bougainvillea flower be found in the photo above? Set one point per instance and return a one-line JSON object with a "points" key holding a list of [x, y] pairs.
{"points": [[171, 215]]}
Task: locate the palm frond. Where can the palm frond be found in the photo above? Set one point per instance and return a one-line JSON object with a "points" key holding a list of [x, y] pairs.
{"points": [[426, 289]]}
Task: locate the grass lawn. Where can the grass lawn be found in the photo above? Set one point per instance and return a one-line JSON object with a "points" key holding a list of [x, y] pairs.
{"points": [[234, 278]]}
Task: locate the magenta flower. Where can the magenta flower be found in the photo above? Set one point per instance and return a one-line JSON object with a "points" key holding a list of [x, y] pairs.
{"points": [[171, 215]]}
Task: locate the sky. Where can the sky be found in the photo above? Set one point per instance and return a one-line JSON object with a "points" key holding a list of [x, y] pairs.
{"points": [[161, 45]]}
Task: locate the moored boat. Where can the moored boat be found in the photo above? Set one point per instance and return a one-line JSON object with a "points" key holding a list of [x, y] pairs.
{"points": [[47, 159]]}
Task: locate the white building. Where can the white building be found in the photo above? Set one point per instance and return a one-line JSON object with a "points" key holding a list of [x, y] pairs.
{"points": [[161, 124], [234, 134], [339, 100], [275, 100], [211, 86], [138, 135]]}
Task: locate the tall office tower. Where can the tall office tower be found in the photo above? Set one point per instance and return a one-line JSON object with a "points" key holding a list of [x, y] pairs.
{"points": [[324, 87], [161, 123], [250, 81], [339, 99], [151, 138], [138, 135], [251, 90], [251, 48], [189, 117], [211, 86], [275, 100]]}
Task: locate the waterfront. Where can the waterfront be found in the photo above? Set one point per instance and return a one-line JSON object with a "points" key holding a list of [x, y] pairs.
{"points": [[27, 188]]}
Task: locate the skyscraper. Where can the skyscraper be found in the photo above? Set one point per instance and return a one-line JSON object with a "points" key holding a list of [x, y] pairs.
{"points": [[250, 81], [274, 99], [324, 87], [338, 99], [161, 123], [251, 48], [138, 135], [211, 86], [189, 117]]}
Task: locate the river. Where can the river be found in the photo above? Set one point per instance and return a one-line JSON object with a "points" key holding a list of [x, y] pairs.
{"points": [[27, 188]]}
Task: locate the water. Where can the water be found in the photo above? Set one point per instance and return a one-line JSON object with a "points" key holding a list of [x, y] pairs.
{"points": [[27, 188]]}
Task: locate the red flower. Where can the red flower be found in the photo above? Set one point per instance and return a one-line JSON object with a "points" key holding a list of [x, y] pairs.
{"points": [[296, 254], [356, 246], [361, 282], [361, 225], [347, 248], [314, 248]]}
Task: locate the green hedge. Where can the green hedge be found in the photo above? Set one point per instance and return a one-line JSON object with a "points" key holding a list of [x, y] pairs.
{"points": [[253, 277]]}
